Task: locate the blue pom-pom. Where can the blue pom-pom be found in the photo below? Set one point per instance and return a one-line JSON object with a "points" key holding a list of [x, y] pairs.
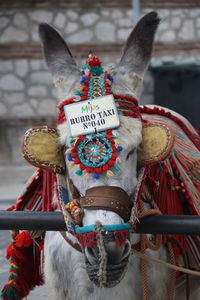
{"points": [[109, 76], [119, 148], [69, 157], [83, 79], [96, 176], [117, 168]]}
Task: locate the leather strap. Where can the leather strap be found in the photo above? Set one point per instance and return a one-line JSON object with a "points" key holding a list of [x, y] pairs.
{"points": [[76, 246], [108, 198]]}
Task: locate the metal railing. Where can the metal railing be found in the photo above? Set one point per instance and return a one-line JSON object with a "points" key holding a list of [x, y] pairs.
{"points": [[53, 221]]}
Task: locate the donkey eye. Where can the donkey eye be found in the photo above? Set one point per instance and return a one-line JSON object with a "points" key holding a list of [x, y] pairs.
{"points": [[130, 153]]}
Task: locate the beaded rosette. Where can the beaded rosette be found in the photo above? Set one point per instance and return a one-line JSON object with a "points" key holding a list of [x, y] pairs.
{"points": [[95, 153]]}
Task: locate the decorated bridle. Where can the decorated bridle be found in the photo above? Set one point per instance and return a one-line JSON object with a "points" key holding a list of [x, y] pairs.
{"points": [[95, 152]]}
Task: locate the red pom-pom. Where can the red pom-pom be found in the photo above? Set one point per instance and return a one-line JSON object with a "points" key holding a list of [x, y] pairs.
{"points": [[89, 170], [98, 170], [23, 240], [82, 166], [9, 251], [93, 61], [77, 161], [114, 156], [111, 163], [105, 168]]}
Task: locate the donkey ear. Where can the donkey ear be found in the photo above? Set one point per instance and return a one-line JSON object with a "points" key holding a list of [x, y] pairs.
{"points": [[56, 52], [137, 54]]}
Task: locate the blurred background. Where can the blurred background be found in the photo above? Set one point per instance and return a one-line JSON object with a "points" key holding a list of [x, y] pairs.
{"points": [[27, 95]]}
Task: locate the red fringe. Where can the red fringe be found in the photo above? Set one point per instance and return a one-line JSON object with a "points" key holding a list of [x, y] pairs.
{"points": [[87, 239], [49, 180], [90, 240], [120, 237], [167, 198]]}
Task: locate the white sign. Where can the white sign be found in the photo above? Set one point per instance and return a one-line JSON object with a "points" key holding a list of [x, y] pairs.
{"points": [[92, 116]]}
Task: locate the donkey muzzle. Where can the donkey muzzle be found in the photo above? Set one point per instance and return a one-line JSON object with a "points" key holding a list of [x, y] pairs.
{"points": [[107, 258]]}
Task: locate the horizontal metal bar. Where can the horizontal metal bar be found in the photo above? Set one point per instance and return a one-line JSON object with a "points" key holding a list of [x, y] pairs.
{"points": [[53, 221]]}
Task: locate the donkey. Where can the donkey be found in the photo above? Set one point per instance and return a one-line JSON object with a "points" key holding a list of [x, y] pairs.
{"points": [[70, 274]]}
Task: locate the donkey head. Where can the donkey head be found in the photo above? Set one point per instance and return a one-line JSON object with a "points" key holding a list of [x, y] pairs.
{"points": [[105, 189]]}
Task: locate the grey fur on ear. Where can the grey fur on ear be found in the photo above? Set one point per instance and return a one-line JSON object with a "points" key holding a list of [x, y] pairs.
{"points": [[56, 52], [136, 55]]}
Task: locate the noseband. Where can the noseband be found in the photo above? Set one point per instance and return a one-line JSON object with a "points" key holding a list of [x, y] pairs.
{"points": [[110, 198]]}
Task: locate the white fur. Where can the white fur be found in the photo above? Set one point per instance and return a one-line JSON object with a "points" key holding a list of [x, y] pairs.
{"points": [[66, 277], [65, 86], [127, 84]]}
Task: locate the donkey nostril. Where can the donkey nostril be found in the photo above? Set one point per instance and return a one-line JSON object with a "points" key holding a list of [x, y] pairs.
{"points": [[92, 255], [114, 255], [117, 255], [127, 250]]}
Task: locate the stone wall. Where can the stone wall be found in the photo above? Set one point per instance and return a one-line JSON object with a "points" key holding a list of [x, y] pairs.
{"points": [[26, 89]]}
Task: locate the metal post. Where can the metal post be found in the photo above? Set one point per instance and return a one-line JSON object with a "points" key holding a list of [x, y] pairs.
{"points": [[136, 10]]}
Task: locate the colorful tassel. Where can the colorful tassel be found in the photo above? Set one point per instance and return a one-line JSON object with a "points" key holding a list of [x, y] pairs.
{"points": [[23, 240]]}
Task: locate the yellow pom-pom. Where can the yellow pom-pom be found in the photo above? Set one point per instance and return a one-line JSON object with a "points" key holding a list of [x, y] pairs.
{"points": [[109, 173], [79, 87], [86, 175], [71, 165]]}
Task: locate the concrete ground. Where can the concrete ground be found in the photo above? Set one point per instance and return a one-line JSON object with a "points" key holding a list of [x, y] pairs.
{"points": [[12, 180]]}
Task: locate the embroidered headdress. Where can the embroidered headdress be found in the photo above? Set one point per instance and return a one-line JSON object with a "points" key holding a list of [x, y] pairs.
{"points": [[97, 152]]}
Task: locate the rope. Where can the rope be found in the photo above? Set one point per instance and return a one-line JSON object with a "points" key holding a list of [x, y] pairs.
{"points": [[147, 243], [143, 268], [103, 255], [168, 265], [172, 281]]}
